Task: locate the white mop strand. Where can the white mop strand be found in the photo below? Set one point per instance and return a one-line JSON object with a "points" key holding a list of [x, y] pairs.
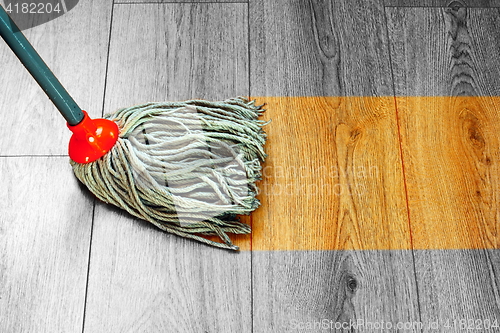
{"points": [[187, 167]]}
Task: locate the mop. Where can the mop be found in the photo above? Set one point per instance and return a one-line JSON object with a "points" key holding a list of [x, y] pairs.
{"points": [[190, 168]]}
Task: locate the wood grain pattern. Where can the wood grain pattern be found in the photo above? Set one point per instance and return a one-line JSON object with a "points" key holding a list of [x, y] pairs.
{"points": [[74, 46], [348, 40], [143, 280], [458, 285], [45, 224], [333, 239], [451, 154], [176, 1], [340, 188], [453, 166], [196, 55], [310, 49], [294, 290], [443, 3]]}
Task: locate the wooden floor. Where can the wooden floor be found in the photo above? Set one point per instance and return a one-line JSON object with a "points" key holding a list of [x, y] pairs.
{"points": [[381, 194]]}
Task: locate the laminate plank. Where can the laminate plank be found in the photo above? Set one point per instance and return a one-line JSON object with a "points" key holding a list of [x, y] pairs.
{"points": [[443, 3], [348, 43], [177, 1], [188, 59], [74, 46], [446, 77], [338, 291], [141, 279], [334, 181], [45, 225], [331, 240], [458, 289]]}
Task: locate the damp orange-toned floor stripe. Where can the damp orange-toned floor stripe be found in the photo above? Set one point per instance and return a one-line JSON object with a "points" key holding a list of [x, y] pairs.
{"points": [[352, 173]]}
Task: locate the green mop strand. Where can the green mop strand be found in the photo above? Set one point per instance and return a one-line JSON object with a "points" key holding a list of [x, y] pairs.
{"points": [[189, 168]]}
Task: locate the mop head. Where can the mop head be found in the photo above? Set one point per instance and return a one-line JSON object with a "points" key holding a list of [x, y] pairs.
{"points": [[189, 167]]}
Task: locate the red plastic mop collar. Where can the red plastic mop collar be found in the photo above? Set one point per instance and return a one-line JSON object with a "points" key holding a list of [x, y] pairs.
{"points": [[92, 139]]}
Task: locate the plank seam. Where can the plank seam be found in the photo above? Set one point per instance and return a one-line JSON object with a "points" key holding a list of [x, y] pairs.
{"points": [[88, 265], [493, 275], [94, 203], [107, 58], [251, 215], [403, 170]]}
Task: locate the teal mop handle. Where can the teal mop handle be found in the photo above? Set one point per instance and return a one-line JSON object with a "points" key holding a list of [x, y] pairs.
{"points": [[39, 70]]}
